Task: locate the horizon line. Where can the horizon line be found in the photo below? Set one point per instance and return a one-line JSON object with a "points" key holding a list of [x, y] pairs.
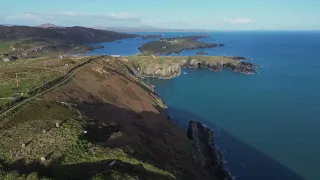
{"points": [[170, 29]]}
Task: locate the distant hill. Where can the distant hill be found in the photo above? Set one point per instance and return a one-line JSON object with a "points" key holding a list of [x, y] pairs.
{"points": [[47, 25], [30, 42], [74, 34], [146, 29]]}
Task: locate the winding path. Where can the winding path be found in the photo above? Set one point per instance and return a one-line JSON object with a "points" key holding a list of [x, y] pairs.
{"points": [[64, 80]]}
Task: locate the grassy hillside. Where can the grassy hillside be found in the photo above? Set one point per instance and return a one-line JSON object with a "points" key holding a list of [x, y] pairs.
{"points": [[19, 79], [29, 42], [110, 126]]}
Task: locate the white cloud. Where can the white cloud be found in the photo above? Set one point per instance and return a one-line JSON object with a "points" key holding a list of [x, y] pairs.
{"points": [[73, 17], [238, 20]]}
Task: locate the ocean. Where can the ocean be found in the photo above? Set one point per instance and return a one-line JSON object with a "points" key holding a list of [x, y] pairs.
{"points": [[266, 124]]}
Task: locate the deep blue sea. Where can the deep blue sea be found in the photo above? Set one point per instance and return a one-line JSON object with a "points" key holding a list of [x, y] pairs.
{"points": [[267, 124]]}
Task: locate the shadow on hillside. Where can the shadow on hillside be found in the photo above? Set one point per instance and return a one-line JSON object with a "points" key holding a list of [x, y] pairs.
{"points": [[147, 134], [81, 170], [244, 161], [115, 127]]}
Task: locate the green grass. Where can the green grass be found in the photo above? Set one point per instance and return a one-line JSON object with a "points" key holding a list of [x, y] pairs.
{"points": [[16, 176], [26, 127], [144, 62], [5, 46], [84, 152], [29, 76], [21, 62], [28, 79]]}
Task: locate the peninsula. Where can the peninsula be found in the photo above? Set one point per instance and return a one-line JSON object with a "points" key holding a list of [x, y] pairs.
{"points": [[175, 45]]}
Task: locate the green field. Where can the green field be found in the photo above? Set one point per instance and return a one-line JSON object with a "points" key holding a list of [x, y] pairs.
{"points": [[5, 46]]}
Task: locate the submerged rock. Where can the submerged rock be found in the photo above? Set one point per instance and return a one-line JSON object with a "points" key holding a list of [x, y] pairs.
{"points": [[204, 151]]}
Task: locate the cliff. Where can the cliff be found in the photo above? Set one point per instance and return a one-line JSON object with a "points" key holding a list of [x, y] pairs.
{"points": [[204, 151], [100, 122], [167, 67]]}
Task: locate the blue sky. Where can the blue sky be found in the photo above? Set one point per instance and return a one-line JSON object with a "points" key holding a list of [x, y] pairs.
{"points": [[187, 14]]}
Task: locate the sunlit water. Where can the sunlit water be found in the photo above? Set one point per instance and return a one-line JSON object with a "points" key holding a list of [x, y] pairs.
{"points": [[268, 123]]}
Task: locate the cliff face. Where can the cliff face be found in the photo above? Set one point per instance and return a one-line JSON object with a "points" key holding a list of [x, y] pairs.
{"points": [[204, 151], [162, 71]]}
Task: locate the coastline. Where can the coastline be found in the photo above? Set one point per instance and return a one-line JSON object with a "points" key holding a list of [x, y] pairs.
{"points": [[210, 140]]}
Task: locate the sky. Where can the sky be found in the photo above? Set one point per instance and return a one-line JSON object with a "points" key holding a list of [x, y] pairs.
{"points": [[173, 14]]}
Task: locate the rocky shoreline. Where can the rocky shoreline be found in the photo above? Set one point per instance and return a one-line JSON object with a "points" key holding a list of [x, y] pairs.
{"points": [[170, 67]]}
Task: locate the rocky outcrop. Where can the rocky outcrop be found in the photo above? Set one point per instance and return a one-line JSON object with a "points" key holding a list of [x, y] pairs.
{"points": [[202, 53], [205, 153], [151, 36], [7, 57], [170, 66], [234, 65], [239, 58], [161, 71]]}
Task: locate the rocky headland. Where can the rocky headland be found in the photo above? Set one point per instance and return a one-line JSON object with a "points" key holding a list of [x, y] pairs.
{"points": [[167, 67], [175, 45]]}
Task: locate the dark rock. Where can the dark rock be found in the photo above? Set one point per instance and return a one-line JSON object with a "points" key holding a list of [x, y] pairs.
{"points": [[238, 58], [97, 47], [13, 58], [204, 151], [222, 45], [202, 53], [250, 65], [151, 36]]}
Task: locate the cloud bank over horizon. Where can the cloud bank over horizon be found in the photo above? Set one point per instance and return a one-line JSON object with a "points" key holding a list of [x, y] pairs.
{"points": [[168, 14], [116, 19]]}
